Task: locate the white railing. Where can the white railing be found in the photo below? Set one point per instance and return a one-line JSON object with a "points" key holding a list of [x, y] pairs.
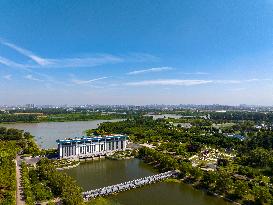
{"points": [[127, 185]]}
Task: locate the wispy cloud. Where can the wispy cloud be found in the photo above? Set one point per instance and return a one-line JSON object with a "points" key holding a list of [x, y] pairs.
{"points": [[252, 80], [26, 68], [196, 73], [91, 61], [7, 77], [183, 82], [10, 63], [79, 61], [31, 77], [141, 57], [149, 70], [236, 89], [228, 81], [39, 60], [169, 82], [79, 82], [257, 80]]}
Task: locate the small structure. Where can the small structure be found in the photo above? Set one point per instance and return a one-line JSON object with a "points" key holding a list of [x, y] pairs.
{"points": [[88, 195], [86, 147], [183, 125], [235, 136]]}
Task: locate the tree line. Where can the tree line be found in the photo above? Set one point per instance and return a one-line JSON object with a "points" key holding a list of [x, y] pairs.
{"points": [[247, 178], [12, 141]]}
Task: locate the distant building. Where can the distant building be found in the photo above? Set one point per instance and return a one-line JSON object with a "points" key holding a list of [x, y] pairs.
{"points": [[30, 106], [237, 136], [91, 146], [183, 125], [221, 111]]}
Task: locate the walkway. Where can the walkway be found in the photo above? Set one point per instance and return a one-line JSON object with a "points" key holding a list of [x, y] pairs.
{"points": [[19, 188], [127, 185]]}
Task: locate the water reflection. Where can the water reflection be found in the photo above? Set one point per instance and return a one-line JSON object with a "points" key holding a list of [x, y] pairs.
{"points": [[102, 173]]}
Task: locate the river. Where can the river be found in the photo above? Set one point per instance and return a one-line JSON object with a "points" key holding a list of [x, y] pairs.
{"points": [[46, 133]]}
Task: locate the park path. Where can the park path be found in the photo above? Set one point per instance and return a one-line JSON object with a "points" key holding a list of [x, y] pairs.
{"points": [[19, 188]]}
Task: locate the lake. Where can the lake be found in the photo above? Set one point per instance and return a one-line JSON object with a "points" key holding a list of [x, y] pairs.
{"points": [[96, 174], [46, 133]]}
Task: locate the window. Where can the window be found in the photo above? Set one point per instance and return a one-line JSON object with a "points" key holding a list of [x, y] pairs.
{"points": [[101, 147], [116, 144]]}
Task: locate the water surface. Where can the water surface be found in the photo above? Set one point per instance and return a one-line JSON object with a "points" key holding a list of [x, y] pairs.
{"points": [[96, 174], [46, 133]]}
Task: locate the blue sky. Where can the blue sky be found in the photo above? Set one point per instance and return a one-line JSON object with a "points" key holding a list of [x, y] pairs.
{"points": [[136, 52]]}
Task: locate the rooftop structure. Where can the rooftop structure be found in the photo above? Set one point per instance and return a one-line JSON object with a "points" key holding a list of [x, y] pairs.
{"points": [[91, 146]]}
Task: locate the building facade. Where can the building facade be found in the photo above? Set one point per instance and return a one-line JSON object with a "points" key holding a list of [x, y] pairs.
{"points": [[91, 146]]}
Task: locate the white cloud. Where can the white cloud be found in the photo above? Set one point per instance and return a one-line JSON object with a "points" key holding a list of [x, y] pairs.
{"points": [[39, 60], [79, 82], [78, 61], [169, 82], [227, 81], [141, 57], [196, 73], [7, 77], [30, 77], [257, 80], [10, 63], [236, 89], [240, 81], [183, 82], [89, 61], [149, 70]]}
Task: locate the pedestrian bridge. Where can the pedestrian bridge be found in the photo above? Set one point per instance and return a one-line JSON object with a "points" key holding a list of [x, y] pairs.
{"points": [[88, 195]]}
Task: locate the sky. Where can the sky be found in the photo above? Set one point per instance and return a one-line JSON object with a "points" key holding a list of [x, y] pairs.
{"points": [[136, 52]]}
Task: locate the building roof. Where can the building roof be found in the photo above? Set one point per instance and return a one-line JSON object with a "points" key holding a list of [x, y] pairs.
{"points": [[89, 139]]}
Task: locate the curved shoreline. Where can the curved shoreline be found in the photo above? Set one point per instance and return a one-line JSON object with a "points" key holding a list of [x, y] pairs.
{"points": [[67, 167]]}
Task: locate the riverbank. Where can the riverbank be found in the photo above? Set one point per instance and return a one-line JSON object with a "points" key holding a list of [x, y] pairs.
{"points": [[121, 155], [68, 117], [102, 173], [72, 120], [46, 133], [68, 167], [62, 164], [206, 191], [193, 176]]}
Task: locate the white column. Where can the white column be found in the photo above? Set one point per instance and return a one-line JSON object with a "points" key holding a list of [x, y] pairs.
{"points": [[77, 149], [124, 144], [60, 151]]}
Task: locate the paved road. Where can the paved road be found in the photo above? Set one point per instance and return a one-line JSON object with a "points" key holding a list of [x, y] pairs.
{"points": [[19, 189]]}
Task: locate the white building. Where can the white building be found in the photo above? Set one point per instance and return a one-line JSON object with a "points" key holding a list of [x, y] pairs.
{"points": [[91, 146]]}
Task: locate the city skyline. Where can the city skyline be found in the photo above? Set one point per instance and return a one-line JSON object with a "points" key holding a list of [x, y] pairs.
{"points": [[150, 52]]}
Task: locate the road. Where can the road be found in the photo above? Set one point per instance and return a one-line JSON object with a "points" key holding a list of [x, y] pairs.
{"points": [[19, 188]]}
